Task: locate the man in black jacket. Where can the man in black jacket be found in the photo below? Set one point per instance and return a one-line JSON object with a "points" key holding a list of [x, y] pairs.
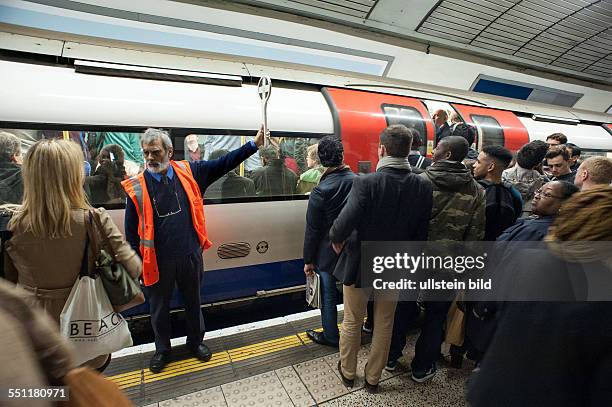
{"points": [[417, 161], [443, 130], [231, 185], [324, 204], [11, 182], [391, 204]]}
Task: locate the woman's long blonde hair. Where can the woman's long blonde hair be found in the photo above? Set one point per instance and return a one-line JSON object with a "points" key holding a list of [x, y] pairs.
{"points": [[53, 175]]}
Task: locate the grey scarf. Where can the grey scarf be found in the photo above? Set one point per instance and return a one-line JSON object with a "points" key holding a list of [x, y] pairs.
{"points": [[393, 162]]}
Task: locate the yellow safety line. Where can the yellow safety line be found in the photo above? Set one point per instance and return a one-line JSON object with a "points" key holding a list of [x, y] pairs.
{"points": [[181, 367], [133, 378]]}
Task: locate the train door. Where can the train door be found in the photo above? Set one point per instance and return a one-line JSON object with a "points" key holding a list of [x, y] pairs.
{"points": [[361, 116], [495, 127]]}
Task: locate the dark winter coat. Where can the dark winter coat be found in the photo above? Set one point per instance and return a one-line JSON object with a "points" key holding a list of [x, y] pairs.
{"points": [[324, 204]]}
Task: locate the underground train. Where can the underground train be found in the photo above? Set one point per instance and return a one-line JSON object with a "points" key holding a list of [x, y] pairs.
{"points": [[257, 241]]}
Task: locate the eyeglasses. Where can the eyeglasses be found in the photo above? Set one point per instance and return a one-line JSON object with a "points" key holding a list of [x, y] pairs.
{"points": [[171, 212], [546, 194]]}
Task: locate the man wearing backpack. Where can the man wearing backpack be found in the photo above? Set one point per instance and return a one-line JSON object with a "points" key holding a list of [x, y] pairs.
{"points": [[418, 162], [504, 203], [524, 176]]}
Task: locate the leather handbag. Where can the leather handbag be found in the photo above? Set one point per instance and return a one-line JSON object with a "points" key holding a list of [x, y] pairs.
{"points": [[123, 291]]}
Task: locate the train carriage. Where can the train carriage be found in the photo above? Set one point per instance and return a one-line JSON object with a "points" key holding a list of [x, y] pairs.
{"points": [[257, 240]]}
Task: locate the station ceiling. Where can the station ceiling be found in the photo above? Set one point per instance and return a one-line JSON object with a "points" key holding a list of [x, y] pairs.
{"points": [[564, 36]]}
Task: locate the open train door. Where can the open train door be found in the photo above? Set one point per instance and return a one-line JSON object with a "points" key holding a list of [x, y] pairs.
{"points": [[495, 127]]}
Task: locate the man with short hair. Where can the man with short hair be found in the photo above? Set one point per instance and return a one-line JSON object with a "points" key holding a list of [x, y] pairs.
{"points": [[165, 224], [524, 176], [504, 203], [556, 139], [557, 159], [11, 182], [324, 204], [391, 204], [458, 214], [274, 178], [468, 132], [443, 130], [574, 153], [231, 185], [417, 161], [594, 172]]}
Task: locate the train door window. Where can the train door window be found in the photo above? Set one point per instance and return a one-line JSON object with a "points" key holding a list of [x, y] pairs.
{"points": [[409, 117], [492, 133], [279, 171]]}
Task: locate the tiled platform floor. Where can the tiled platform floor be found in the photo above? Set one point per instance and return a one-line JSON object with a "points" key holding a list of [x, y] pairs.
{"points": [[316, 382], [278, 366]]}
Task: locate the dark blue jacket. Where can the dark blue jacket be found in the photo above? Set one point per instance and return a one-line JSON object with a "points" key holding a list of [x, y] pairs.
{"points": [[527, 229], [175, 236], [325, 203]]}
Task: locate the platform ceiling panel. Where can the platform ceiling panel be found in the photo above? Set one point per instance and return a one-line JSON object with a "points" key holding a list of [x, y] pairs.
{"points": [[567, 36], [575, 35]]}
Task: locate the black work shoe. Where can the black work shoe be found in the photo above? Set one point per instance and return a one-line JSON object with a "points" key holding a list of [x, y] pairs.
{"points": [[318, 337], [158, 362], [347, 382], [371, 388], [202, 352]]}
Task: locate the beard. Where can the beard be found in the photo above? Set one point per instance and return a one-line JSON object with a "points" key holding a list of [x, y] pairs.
{"points": [[159, 167]]}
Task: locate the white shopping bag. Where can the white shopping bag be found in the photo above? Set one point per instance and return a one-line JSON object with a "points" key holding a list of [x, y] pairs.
{"points": [[90, 323], [313, 290]]}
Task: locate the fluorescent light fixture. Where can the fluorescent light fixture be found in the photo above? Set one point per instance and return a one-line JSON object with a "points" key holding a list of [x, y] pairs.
{"points": [[554, 119], [609, 110], [162, 74]]}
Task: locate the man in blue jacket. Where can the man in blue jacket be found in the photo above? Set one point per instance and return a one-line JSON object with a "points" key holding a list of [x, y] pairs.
{"points": [[324, 204], [172, 255]]}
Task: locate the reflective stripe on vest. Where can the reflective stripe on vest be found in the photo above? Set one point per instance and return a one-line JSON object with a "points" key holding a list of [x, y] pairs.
{"points": [[136, 189]]}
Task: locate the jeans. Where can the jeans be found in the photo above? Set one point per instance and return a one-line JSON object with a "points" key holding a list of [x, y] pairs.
{"points": [[329, 313], [427, 348], [406, 314]]}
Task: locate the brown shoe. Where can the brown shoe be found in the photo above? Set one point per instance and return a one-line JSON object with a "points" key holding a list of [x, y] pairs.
{"points": [[347, 382]]}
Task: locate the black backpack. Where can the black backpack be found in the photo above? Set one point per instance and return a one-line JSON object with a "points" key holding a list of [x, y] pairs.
{"points": [[502, 210]]}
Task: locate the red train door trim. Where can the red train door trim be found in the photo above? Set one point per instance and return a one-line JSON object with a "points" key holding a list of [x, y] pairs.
{"points": [[359, 118], [515, 135]]}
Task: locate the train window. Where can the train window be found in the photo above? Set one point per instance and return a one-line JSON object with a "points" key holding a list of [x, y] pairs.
{"points": [[492, 132], [409, 117], [108, 158], [280, 171]]}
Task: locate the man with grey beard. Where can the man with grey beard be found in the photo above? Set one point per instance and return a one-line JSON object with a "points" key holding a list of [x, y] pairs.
{"points": [[164, 223]]}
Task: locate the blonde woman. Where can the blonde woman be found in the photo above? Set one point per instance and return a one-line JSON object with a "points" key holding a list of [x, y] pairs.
{"points": [[45, 253], [310, 178]]}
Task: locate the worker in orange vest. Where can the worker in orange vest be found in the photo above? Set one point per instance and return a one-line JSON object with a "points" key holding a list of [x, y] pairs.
{"points": [[164, 222]]}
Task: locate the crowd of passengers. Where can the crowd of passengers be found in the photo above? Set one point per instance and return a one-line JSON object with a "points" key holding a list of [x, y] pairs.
{"points": [[555, 353], [288, 166]]}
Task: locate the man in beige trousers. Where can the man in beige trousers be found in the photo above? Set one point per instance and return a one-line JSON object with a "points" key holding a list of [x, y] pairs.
{"points": [[391, 204]]}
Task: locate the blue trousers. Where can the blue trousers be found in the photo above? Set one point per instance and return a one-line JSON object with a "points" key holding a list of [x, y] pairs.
{"points": [[427, 348], [186, 274], [329, 313], [406, 314]]}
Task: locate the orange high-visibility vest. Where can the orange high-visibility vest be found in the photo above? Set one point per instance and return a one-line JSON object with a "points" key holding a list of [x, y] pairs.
{"points": [[136, 188]]}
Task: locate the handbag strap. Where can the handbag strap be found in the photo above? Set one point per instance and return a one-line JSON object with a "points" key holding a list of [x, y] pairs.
{"points": [[93, 236], [96, 219], [85, 260]]}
